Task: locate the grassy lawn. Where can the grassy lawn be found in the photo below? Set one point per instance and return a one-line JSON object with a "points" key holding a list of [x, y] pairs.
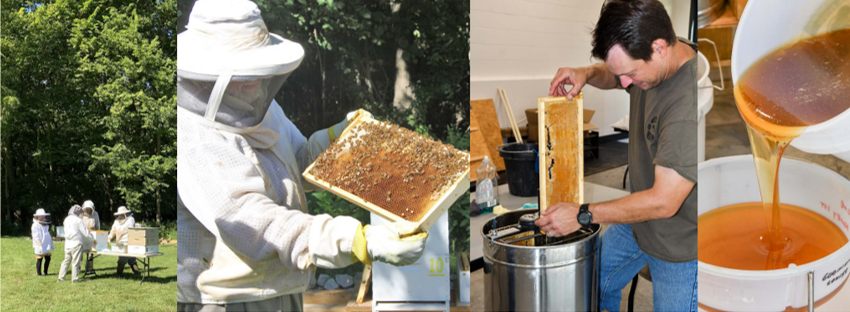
{"points": [[23, 290]]}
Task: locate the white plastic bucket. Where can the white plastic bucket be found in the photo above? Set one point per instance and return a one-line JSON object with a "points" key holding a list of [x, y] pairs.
{"points": [[767, 25], [732, 180], [705, 95]]}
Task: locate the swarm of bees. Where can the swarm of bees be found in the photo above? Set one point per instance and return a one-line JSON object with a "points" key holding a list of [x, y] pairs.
{"points": [[391, 167]]}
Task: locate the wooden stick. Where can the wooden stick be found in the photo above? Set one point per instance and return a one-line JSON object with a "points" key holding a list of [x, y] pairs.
{"points": [[504, 101], [364, 283], [510, 114]]}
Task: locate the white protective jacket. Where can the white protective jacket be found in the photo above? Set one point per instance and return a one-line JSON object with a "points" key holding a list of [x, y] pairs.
{"points": [[244, 233], [119, 230], [42, 242], [92, 222], [76, 233]]}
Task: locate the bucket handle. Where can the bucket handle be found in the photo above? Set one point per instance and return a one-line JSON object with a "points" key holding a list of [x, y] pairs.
{"points": [[811, 291], [719, 68]]}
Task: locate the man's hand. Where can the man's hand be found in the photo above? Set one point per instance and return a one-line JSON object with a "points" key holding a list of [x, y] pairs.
{"points": [[577, 77], [559, 219]]}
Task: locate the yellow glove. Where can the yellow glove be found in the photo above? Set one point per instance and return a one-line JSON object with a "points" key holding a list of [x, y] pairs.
{"points": [[384, 243], [359, 251]]}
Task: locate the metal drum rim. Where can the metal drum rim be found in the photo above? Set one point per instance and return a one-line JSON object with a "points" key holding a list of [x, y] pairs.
{"points": [[544, 266]]}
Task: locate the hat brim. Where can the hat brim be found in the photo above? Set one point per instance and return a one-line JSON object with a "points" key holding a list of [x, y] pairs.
{"points": [[41, 215], [281, 56]]}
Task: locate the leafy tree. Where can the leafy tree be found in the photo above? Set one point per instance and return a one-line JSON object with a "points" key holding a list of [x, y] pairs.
{"points": [[89, 107]]}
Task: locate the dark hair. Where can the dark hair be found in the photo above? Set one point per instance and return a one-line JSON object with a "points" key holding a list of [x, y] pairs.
{"points": [[633, 24]]}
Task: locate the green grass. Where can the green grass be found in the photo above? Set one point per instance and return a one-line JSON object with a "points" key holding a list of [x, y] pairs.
{"points": [[23, 290]]}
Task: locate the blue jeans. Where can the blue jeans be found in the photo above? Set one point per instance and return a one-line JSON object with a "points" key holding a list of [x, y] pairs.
{"points": [[674, 285]]}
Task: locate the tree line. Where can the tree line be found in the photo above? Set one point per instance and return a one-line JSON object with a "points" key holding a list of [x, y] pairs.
{"points": [[88, 108]]}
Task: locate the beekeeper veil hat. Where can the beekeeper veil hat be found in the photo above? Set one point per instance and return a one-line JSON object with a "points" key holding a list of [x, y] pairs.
{"points": [[75, 210], [229, 66]]}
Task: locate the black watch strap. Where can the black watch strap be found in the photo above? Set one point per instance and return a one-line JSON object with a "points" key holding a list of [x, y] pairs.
{"points": [[585, 218]]}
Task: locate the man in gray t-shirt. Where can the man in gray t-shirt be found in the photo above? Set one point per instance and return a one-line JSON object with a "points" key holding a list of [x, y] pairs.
{"points": [[657, 223]]}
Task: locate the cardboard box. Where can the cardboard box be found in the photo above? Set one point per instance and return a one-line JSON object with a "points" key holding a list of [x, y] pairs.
{"points": [[119, 248], [509, 133], [143, 249], [531, 116], [587, 114], [143, 232], [142, 241]]}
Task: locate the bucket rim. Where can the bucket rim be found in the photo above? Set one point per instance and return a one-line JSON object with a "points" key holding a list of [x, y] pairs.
{"points": [[595, 234], [501, 149]]}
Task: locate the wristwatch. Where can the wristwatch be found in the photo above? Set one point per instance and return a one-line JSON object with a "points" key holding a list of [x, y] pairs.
{"points": [[585, 218]]}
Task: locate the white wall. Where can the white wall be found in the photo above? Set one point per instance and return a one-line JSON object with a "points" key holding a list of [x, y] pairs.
{"points": [[518, 45]]}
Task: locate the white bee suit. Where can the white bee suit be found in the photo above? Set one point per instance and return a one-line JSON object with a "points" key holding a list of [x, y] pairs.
{"points": [[246, 217], [91, 221], [42, 242], [76, 233], [120, 230], [244, 235]]}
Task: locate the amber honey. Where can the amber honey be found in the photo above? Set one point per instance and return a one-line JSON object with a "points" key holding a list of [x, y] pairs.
{"points": [[798, 85], [728, 237]]}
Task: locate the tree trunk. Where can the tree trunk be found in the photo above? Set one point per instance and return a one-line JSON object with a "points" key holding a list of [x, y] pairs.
{"points": [[402, 94], [367, 72], [7, 162], [50, 150], [106, 191], [158, 211]]}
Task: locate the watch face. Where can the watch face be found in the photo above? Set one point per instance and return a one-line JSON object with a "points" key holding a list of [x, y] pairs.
{"points": [[584, 218]]}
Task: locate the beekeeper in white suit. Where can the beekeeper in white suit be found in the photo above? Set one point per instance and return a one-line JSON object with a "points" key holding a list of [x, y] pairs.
{"points": [[92, 221], [118, 235], [77, 238], [245, 240], [42, 242]]}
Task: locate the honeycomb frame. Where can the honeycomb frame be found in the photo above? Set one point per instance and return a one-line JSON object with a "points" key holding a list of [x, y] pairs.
{"points": [[561, 149], [435, 207]]}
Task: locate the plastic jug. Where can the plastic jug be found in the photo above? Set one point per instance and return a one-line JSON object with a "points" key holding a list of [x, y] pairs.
{"points": [[487, 186]]}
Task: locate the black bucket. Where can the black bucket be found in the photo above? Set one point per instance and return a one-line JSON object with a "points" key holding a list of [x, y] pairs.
{"points": [[519, 163]]}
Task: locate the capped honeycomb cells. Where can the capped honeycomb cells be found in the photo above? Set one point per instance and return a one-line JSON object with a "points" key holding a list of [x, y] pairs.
{"points": [[564, 152], [391, 167]]}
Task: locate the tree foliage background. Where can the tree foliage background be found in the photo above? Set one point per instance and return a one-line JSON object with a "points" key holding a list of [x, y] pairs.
{"points": [[88, 108], [351, 62]]}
